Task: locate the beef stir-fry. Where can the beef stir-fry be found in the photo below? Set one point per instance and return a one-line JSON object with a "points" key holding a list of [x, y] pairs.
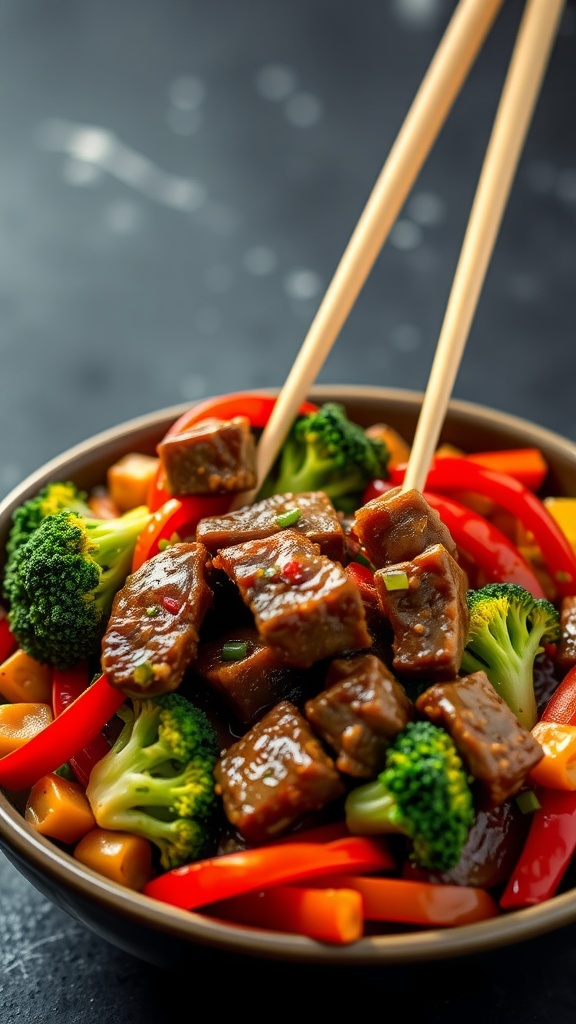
{"points": [[343, 687]]}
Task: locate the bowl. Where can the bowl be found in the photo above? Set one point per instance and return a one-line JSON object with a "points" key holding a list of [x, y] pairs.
{"points": [[165, 936]]}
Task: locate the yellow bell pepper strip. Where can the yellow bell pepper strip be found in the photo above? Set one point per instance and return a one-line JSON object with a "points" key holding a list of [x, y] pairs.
{"points": [[462, 474], [433, 904], [218, 878], [488, 547], [68, 733], [333, 915], [257, 408], [551, 840], [557, 769], [67, 685]]}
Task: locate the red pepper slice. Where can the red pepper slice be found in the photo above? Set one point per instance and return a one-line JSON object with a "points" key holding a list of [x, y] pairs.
{"points": [[257, 408], [460, 474], [363, 577], [67, 685], [551, 840], [217, 878], [177, 517], [68, 733], [8, 642]]}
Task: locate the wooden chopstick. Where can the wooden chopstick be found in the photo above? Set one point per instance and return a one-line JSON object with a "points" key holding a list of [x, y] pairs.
{"points": [[523, 81], [440, 86]]}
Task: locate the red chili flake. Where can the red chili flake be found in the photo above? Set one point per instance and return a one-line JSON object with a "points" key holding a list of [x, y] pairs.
{"points": [[171, 605], [293, 571]]}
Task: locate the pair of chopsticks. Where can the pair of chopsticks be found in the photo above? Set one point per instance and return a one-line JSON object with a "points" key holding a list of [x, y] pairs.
{"points": [[442, 82]]}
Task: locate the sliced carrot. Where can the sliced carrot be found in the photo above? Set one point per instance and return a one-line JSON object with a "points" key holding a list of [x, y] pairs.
{"points": [[58, 808], [130, 478], [327, 915], [557, 768], [22, 679], [20, 722], [120, 856], [525, 464], [419, 903]]}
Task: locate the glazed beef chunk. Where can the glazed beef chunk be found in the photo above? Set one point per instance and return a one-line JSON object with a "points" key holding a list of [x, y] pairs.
{"points": [[154, 626], [317, 520], [247, 686], [398, 525], [495, 747], [213, 456], [362, 707], [429, 617], [304, 604], [566, 652], [274, 775]]}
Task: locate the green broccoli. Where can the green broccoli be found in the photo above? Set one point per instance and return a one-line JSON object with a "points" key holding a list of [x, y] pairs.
{"points": [[157, 780], [325, 451], [54, 497], [61, 582], [506, 631], [423, 792]]}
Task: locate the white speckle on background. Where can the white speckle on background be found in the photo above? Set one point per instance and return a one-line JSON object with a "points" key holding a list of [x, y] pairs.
{"points": [[79, 173], [187, 92], [123, 218], [405, 235], [275, 82], [566, 187], [302, 284], [541, 176], [406, 338], [192, 386], [525, 288], [418, 13], [426, 209], [259, 261], [303, 110], [184, 122]]}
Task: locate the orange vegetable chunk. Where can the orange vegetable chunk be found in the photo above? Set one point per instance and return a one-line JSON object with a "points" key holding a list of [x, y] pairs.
{"points": [[129, 479], [120, 856], [20, 722], [23, 679], [58, 808]]}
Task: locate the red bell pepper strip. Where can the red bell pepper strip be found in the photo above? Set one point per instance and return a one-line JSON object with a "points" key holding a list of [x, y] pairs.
{"points": [[67, 685], [8, 642], [68, 733], [363, 577], [491, 550], [551, 841], [218, 878], [175, 519], [460, 474], [257, 408]]}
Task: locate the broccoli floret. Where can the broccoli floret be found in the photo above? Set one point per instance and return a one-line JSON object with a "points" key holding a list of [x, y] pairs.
{"points": [[325, 451], [61, 582], [423, 792], [54, 497], [157, 780], [506, 631]]}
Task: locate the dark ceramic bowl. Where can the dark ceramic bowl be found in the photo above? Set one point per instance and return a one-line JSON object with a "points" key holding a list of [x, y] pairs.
{"points": [[165, 936]]}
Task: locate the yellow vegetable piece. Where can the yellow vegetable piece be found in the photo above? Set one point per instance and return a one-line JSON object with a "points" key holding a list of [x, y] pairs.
{"points": [[563, 511], [22, 679], [129, 480], [398, 447], [20, 722], [120, 856], [58, 808], [557, 769]]}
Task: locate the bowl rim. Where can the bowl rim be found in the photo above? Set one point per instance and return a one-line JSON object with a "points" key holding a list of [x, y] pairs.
{"points": [[25, 847]]}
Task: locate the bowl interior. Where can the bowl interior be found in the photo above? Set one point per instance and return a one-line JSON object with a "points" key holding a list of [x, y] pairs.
{"points": [[163, 935]]}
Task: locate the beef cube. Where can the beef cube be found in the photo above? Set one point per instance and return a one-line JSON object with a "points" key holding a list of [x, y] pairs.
{"points": [[497, 750], [154, 626], [361, 708], [398, 525], [317, 520], [274, 775], [212, 457], [429, 617], [247, 686], [566, 650], [303, 603]]}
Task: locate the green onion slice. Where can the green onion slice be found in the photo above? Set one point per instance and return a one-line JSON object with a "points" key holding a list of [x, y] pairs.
{"points": [[288, 518], [234, 650]]}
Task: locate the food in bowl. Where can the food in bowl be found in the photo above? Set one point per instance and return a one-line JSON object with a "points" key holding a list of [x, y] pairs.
{"points": [[321, 659]]}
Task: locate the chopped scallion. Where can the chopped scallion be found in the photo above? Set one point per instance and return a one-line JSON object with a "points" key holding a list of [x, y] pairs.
{"points": [[528, 801], [395, 580], [234, 650], [288, 518]]}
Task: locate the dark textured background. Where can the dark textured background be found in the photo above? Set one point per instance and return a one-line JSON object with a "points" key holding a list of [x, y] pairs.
{"points": [[178, 181]]}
